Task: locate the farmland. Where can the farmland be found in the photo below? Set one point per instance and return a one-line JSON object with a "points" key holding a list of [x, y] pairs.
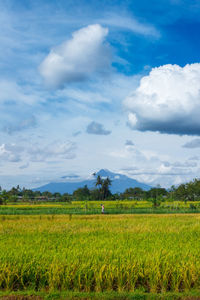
{"points": [[94, 207], [95, 253]]}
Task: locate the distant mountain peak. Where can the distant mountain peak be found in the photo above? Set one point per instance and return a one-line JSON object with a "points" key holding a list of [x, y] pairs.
{"points": [[119, 183], [105, 173]]}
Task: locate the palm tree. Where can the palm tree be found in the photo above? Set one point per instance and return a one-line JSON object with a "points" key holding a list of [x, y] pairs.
{"points": [[105, 187], [99, 182]]}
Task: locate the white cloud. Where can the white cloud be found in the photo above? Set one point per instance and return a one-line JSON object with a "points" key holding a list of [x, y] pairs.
{"points": [[167, 100], [153, 167], [10, 152], [136, 157], [176, 169], [85, 54], [161, 174], [55, 150], [37, 153]]}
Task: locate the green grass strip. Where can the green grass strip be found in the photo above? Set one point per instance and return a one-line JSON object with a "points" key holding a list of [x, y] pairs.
{"points": [[137, 295]]}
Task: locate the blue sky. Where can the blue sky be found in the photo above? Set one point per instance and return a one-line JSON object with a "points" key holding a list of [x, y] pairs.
{"points": [[86, 85]]}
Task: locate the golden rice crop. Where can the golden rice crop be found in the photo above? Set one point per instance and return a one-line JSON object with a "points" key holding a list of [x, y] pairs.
{"points": [[153, 253]]}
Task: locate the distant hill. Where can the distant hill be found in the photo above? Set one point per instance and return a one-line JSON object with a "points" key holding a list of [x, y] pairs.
{"points": [[119, 184]]}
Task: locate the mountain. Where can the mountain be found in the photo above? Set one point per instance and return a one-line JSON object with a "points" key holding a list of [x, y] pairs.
{"points": [[119, 184]]}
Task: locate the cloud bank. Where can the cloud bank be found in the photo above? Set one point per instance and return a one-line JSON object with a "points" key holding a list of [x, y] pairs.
{"points": [[167, 101], [75, 60]]}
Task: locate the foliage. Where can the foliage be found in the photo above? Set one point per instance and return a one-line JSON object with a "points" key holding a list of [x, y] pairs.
{"points": [[133, 193], [187, 192], [103, 187], [4, 197], [156, 201], [184, 192], [156, 192], [81, 193], [64, 198]]}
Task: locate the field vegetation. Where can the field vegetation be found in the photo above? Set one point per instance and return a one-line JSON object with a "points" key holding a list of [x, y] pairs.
{"points": [[122, 253], [142, 244], [94, 207]]}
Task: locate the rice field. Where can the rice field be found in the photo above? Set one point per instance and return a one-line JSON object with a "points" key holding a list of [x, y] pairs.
{"points": [[94, 207], [97, 253]]}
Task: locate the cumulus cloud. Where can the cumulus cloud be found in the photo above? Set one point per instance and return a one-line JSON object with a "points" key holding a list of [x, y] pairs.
{"points": [[153, 168], [37, 153], [192, 144], [85, 54], [167, 100], [97, 128], [10, 152], [162, 174], [176, 169]]}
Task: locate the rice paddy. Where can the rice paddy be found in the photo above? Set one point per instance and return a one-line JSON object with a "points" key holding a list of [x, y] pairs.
{"points": [[94, 207], [98, 253]]}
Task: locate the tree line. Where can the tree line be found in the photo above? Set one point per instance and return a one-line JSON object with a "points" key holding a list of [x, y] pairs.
{"points": [[185, 192]]}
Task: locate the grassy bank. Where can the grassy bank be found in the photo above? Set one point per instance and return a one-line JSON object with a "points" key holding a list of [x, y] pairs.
{"points": [[137, 295], [92, 211]]}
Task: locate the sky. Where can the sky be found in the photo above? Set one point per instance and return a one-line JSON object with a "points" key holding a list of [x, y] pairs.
{"points": [[86, 85]]}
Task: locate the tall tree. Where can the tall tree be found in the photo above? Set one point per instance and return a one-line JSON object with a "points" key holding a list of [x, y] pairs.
{"points": [[82, 193], [4, 197], [103, 186], [99, 182]]}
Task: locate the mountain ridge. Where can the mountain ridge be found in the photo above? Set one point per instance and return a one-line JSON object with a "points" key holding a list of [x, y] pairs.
{"points": [[119, 183]]}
